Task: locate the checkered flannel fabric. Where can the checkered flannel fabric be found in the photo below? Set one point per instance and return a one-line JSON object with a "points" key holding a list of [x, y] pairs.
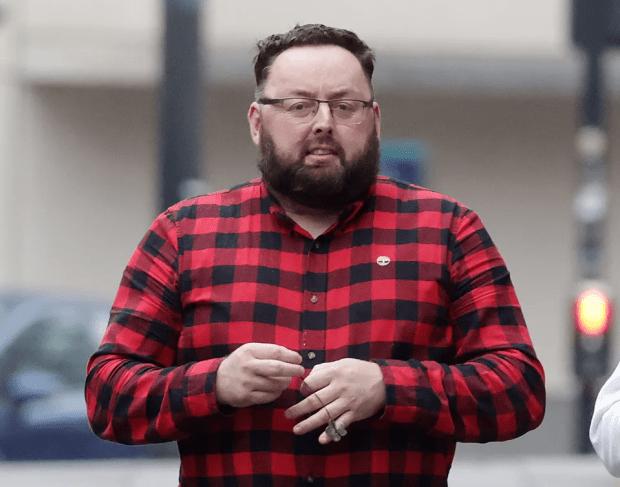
{"points": [[407, 278]]}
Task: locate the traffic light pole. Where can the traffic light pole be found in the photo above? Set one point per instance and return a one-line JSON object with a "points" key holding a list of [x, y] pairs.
{"points": [[181, 100], [591, 211], [595, 30], [592, 197], [585, 409]]}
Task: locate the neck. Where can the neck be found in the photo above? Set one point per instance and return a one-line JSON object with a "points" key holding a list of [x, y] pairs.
{"points": [[315, 222]]}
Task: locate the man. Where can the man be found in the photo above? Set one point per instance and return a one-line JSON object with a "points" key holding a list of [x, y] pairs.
{"points": [[321, 325]]}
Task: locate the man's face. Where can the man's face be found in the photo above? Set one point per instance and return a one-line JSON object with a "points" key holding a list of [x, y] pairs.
{"points": [[319, 162]]}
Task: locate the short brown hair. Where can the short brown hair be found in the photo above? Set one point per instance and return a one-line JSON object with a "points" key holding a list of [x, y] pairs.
{"points": [[309, 35]]}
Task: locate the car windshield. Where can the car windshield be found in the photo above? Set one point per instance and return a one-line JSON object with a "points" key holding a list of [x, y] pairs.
{"points": [[8, 302], [59, 341]]}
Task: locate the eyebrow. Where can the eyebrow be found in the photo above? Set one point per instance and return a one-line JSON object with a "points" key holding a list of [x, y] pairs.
{"points": [[333, 96]]}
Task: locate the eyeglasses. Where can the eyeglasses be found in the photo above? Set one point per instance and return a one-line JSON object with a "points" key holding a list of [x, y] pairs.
{"points": [[302, 110]]}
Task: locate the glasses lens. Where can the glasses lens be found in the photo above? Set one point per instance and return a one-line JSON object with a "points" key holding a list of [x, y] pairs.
{"points": [[304, 109], [348, 111], [300, 107]]}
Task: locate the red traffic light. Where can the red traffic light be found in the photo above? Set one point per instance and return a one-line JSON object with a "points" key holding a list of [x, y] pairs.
{"points": [[592, 312]]}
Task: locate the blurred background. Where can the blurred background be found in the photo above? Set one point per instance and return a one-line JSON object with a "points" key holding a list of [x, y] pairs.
{"points": [[489, 93]]}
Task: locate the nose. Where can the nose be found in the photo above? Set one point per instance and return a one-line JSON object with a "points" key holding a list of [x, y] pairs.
{"points": [[323, 119]]}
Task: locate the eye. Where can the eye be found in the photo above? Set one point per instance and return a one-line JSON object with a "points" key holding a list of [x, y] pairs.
{"points": [[344, 107], [298, 105]]}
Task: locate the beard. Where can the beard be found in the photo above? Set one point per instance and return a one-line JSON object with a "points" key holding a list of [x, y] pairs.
{"points": [[331, 189]]}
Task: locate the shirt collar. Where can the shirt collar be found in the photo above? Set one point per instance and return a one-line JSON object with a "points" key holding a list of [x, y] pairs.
{"points": [[346, 216]]}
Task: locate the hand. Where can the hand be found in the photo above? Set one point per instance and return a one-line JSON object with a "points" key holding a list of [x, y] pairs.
{"points": [[256, 373], [347, 390]]}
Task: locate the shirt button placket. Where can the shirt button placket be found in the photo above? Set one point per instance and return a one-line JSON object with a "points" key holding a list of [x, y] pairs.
{"points": [[313, 299]]}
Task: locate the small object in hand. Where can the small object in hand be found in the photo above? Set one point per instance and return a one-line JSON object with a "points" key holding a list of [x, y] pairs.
{"points": [[332, 431], [340, 429]]}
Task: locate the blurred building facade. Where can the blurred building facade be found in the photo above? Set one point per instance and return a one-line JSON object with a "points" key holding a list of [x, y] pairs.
{"points": [[491, 88]]}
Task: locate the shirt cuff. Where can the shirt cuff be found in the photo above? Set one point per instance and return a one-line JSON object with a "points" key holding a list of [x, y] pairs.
{"points": [[201, 397]]}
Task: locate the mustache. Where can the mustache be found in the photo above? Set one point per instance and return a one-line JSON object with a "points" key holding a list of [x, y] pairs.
{"points": [[299, 178], [325, 141]]}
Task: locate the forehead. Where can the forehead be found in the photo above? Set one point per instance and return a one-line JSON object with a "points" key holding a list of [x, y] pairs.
{"points": [[319, 71]]}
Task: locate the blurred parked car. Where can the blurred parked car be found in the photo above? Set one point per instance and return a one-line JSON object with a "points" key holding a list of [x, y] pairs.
{"points": [[45, 343]]}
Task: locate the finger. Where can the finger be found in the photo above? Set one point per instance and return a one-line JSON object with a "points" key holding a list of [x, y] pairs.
{"points": [[344, 421], [308, 405], [319, 377], [270, 384], [322, 417], [275, 368], [318, 420], [275, 352], [324, 438], [262, 397]]}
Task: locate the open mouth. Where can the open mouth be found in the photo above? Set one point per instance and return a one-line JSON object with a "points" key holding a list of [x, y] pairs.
{"points": [[323, 151]]}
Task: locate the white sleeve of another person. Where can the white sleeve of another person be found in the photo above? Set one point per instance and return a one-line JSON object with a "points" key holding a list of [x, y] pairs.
{"points": [[605, 425]]}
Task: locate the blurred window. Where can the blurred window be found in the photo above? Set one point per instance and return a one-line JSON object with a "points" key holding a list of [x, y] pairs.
{"points": [[8, 303], [60, 341]]}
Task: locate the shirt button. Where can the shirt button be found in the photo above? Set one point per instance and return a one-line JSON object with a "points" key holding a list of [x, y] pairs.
{"points": [[317, 245], [311, 355], [310, 479], [314, 298]]}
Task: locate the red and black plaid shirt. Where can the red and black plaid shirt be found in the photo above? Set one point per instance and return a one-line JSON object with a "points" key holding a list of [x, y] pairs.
{"points": [[407, 278]]}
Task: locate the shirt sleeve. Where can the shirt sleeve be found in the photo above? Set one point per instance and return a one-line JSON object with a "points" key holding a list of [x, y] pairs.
{"points": [[135, 394], [493, 389], [605, 425]]}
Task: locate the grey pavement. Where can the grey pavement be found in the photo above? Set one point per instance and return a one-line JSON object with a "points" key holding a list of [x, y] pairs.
{"points": [[565, 471]]}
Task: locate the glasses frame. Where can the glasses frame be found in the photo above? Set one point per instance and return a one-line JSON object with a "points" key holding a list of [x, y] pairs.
{"points": [[275, 101]]}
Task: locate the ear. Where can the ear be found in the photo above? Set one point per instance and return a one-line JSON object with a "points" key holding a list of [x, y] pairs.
{"points": [[254, 121], [375, 108]]}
